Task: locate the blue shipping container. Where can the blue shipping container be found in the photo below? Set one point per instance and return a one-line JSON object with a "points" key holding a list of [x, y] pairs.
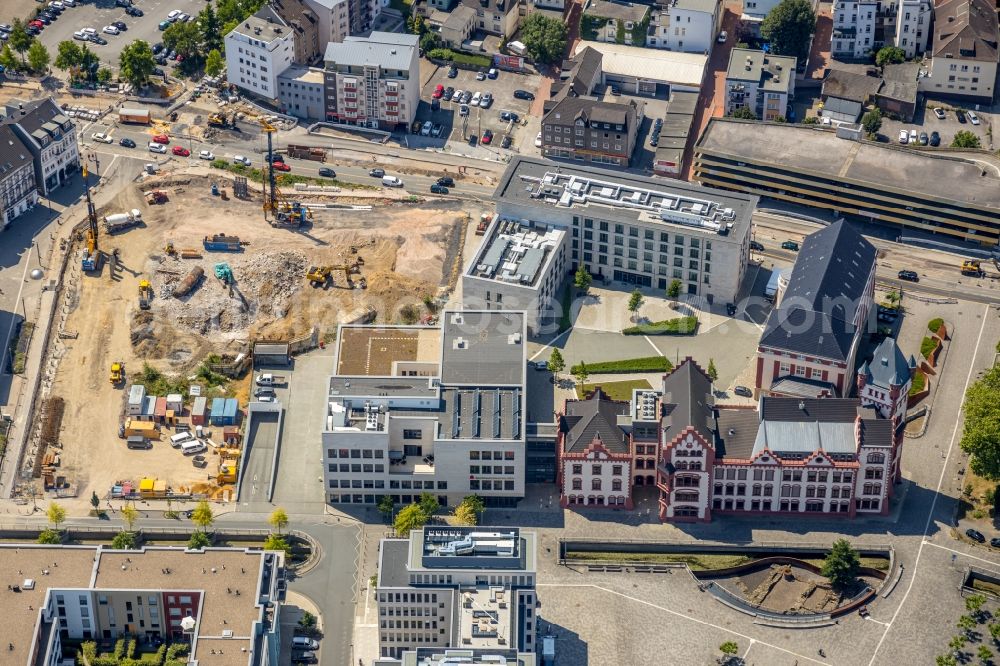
{"points": [[218, 406], [230, 411]]}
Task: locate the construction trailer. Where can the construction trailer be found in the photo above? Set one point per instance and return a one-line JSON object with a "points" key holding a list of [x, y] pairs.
{"points": [[128, 115], [222, 243]]}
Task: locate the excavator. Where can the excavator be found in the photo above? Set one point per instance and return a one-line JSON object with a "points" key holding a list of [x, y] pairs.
{"points": [[93, 258], [285, 213], [145, 294], [320, 276], [974, 267], [117, 373]]}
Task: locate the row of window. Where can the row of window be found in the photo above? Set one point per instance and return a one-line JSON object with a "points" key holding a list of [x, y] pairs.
{"points": [[812, 476], [648, 234], [784, 505], [488, 484], [596, 500], [491, 455], [491, 469], [356, 468], [595, 484], [616, 470], [355, 453], [787, 490]]}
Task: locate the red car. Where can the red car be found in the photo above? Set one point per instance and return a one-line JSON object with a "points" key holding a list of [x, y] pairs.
{"points": [[38, 24], [438, 91], [487, 137], [183, 152], [161, 138], [281, 166]]}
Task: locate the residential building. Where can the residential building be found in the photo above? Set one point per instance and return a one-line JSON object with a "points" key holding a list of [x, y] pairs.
{"points": [[899, 95], [793, 456], [219, 601], [635, 229], [854, 28], [672, 141], [761, 82], [913, 26], [555, 5], [49, 135], [339, 19], [595, 453], [863, 26], [439, 410], [305, 24], [923, 196], [302, 92], [373, 81], [810, 341], [754, 12], [257, 51], [685, 25], [453, 27], [588, 130], [496, 17], [521, 265], [634, 70], [18, 188], [964, 56], [465, 588], [579, 76], [615, 22]]}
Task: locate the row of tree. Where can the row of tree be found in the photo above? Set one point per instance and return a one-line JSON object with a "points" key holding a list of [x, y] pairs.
{"points": [[414, 516], [34, 57]]}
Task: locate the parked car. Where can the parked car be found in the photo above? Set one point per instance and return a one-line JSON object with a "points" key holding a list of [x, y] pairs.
{"points": [[435, 105], [474, 100], [509, 116], [790, 245], [263, 391], [133, 11], [538, 140], [281, 166], [110, 30], [505, 143], [493, 73], [975, 535], [973, 118], [157, 148], [426, 129], [960, 115], [995, 542], [240, 159], [304, 643], [448, 92], [480, 76], [453, 72], [180, 151], [923, 138], [163, 25], [206, 155], [756, 246], [439, 189], [457, 96], [101, 137], [438, 92], [463, 110], [120, 25], [81, 35], [467, 97], [304, 658], [909, 276], [446, 181], [126, 142], [157, 47], [376, 173], [904, 137], [743, 391], [473, 140], [487, 137], [161, 138], [327, 172], [939, 112], [913, 136], [436, 130], [97, 39], [723, 36], [487, 100], [523, 94], [538, 365], [935, 139]]}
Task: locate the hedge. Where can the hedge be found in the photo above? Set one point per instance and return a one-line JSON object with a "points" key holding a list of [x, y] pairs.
{"points": [[918, 384], [678, 326], [934, 325], [462, 57], [927, 346], [644, 364]]}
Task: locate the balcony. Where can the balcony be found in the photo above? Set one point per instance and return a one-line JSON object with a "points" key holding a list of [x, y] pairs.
{"points": [[403, 464]]}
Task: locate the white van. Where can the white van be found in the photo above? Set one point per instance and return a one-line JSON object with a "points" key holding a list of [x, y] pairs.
{"points": [[391, 181], [191, 448], [180, 439]]}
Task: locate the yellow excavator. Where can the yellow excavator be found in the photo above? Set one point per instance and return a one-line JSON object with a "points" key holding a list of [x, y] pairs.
{"points": [[117, 373], [145, 294], [972, 267]]}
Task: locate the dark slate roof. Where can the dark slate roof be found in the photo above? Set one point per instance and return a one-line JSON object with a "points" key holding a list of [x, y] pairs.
{"points": [[801, 387], [888, 367], [13, 153], [822, 410], [594, 418], [818, 307], [35, 114], [876, 432], [571, 109], [966, 29], [578, 74], [737, 432], [687, 401], [850, 85]]}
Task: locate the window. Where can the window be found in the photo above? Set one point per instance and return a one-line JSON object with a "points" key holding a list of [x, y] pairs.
{"points": [[595, 484], [616, 485], [578, 469], [577, 484], [595, 469], [876, 458], [616, 470]]}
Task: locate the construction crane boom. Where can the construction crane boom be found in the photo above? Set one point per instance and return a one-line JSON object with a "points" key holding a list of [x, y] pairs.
{"points": [[285, 212], [92, 258]]}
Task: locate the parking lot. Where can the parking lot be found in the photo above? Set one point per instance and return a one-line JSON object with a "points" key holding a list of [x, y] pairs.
{"points": [[457, 130], [926, 121], [98, 14]]}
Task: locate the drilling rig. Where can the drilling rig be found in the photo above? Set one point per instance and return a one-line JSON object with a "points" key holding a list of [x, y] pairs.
{"points": [[278, 210], [92, 259]]}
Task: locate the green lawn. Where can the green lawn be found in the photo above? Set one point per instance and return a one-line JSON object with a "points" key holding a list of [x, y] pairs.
{"points": [[616, 390], [677, 326], [918, 384]]}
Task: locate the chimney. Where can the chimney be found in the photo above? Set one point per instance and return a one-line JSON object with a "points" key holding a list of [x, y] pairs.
{"points": [[802, 405]]}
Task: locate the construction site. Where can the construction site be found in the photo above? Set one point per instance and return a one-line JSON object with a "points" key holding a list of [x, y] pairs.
{"points": [[169, 285]]}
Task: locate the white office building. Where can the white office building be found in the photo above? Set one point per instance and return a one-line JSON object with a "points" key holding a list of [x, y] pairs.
{"points": [[257, 51]]}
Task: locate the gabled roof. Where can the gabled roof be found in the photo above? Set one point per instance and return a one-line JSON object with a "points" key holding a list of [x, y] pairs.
{"points": [[842, 84], [966, 29], [33, 116], [571, 109], [594, 418], [687, 401], [578, 75], [13, 153], [818, 308], [889, 367]]}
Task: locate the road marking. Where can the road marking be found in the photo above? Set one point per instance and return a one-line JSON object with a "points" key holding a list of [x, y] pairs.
{"points": [[549, 344], [655, 348], [937, 493], [681, 615], [992, 563]]}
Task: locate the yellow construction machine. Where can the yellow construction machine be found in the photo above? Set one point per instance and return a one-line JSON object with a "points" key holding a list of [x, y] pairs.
{"points": [[318, 276], [145, 294], [285, 213], [117, 373], [972, 267]]}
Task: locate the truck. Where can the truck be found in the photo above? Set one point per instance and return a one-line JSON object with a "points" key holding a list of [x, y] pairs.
{"points": [[267, 379], [127, 115], [122, 221], [772, 285], [222, 243]]}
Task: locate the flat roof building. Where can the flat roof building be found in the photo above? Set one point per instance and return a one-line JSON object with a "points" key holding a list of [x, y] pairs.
{"points": [[635, 229], [875, 182], [653, 72]]}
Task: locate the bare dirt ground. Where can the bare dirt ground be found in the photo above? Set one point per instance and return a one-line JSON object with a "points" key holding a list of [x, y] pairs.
{"points": [[409, 250]]}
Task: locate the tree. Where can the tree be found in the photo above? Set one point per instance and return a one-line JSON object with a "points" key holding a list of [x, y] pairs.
{"points": [[788, 28], [974, 603], [95, 501], [620, 32], [475, 502], [674, 289], [49, 537], [634, 302], [68, 56], [199, 541], [966, 624], [430, 41], [409, 518], [582, 280], [556, 362], [386, 506], [995, 631], [712, 372], [7, 58], [729, 649], [38, 58], [278, 520], [581, 373], [130, 515], [277, 542], [103, 75], [545, 38], [841, 565], [210, 28], [428, 504], [464, 514], [56, 514], [985, 654], [957, 643], [981, 434], [945, 660], [202, 515], [743, 113], [19, 39], [307, 621], [183, 37], [889, 55], [965, 139], [872, 122], [215, 64], [124, 541], [135, 63]]}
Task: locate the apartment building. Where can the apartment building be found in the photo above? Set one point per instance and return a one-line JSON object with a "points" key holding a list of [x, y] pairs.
{"points": [[635, 229], [861, 27], [810, 341], [589, 130], [826, 456], [373, 81], [257, 51], [18, 189], [50, 137], [685, 25], [521, 265], [760, 82], [964, 57], [339, 19], [923, 194], [615, 22], [439, 410], [302, 92], [218, 601], [305, 24], [471, 589], [496, 17], [854, 28], [913, 26]]}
